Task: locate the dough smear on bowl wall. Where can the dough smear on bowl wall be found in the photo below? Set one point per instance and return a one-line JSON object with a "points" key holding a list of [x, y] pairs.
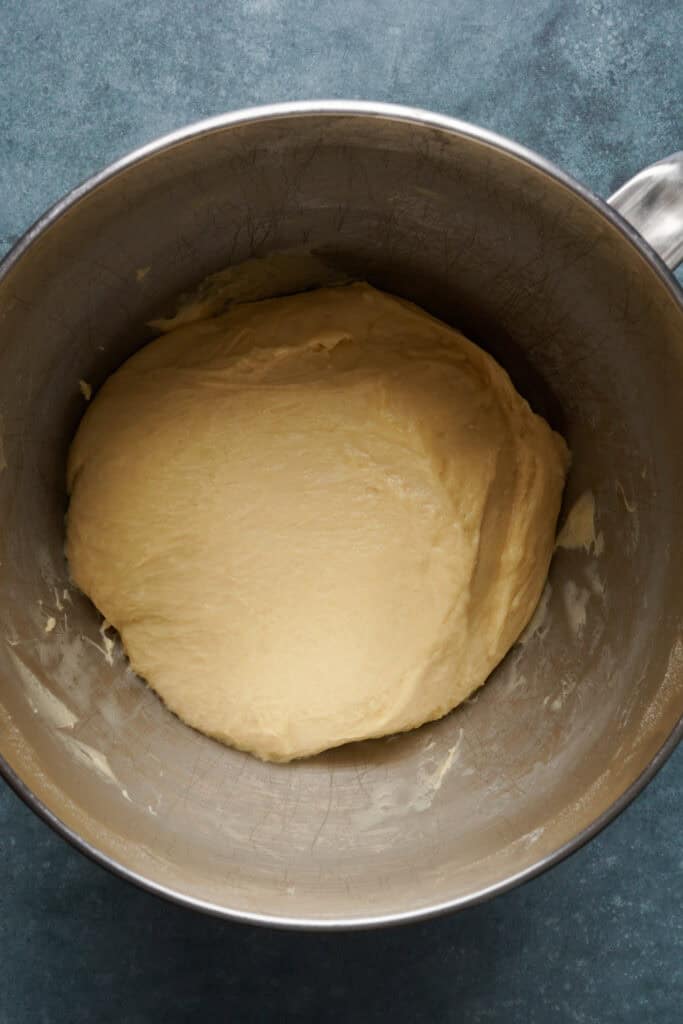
{"points": [[313, 519]]}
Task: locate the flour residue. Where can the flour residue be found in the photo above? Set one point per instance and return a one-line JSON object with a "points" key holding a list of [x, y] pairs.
{"points": [[402, 797], [106, 648], [595, 580], [434, 780], [575, 605], [632, 511], [539, 623], [579, 530], [85, 389], [532, 837], [41, 700], [621, 493], [46, 566], [661, 700], [91, 758], [107, 641]]}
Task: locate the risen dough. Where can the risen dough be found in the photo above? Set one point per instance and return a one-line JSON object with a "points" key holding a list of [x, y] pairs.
{"points": [[313, 519]]}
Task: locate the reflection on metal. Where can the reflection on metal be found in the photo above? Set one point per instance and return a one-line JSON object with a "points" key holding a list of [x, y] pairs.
{"points": [[652, 202]]}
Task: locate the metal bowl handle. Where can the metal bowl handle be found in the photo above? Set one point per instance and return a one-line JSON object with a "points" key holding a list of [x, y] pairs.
{"points": [[652, 202]]}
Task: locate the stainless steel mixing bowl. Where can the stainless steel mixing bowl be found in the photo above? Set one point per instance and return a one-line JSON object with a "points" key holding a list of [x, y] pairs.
{"points": [[589, 322]]}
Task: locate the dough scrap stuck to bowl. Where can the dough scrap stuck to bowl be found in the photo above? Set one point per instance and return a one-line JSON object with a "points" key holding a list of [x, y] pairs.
{"points": [[313, 519]]}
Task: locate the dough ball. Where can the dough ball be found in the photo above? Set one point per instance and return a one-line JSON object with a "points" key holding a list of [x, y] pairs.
{"points": [[314, 519]]}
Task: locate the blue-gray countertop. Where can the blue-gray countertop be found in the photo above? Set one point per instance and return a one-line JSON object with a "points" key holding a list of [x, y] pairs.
{"points": [[596, 86]]}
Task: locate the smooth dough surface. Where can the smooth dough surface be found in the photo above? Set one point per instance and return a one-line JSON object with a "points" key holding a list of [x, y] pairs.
{"points": [[313, 519]]}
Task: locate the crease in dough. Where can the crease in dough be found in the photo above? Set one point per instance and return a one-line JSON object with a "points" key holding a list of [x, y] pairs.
{"points": [[313, 519]]}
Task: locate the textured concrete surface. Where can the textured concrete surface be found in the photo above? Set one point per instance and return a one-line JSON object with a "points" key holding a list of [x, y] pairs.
{"points": [[598, 88]]}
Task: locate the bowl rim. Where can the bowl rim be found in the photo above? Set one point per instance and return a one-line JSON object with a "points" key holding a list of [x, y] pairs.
{"points": [[422, 118]]}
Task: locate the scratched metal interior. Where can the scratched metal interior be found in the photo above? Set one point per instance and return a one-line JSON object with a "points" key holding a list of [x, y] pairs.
{"points": [[576, 712]]}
